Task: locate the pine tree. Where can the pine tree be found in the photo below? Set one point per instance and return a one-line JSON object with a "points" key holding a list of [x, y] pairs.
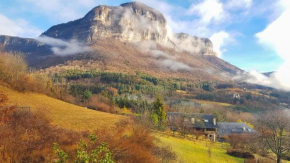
{"points": [[159, 110]]}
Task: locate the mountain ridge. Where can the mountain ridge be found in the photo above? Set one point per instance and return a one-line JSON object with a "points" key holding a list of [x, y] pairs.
{"points": [[131, 36]]}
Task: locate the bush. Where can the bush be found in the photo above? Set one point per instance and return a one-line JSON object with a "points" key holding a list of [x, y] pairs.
{"points": [[239, 153], [14, 73], [90, 152], [101, 103], [28, 137]]}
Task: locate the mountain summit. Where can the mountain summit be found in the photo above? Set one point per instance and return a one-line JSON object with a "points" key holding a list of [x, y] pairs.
{"points": [[129, 22], [130, 37]]}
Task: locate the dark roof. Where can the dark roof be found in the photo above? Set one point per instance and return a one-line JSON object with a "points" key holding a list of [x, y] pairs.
{"points": [[228, 128], [198, 116]]}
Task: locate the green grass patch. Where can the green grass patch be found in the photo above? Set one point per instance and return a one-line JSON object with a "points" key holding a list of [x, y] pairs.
{"points": [[197, 151]]}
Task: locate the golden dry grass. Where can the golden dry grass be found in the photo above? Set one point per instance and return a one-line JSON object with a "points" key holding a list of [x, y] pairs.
{"points": [[62, 114], [204, 102]]}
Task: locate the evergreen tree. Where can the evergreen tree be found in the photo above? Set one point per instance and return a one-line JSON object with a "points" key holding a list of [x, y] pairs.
{"points": [[87, 95], [159, 111]]}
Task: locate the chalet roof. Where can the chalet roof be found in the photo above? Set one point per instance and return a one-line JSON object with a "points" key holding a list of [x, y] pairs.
{"points": [[201, 120], [228, 128]]}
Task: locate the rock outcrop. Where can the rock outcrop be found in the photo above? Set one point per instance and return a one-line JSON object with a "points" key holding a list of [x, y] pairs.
{"points": [[106, 31], [129, 22]]}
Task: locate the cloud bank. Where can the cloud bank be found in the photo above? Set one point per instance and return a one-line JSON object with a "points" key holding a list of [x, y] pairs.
{"points": [[64, 48], [164, 60], [206, 18], [174, 65], [276, 36], [219, 41]]}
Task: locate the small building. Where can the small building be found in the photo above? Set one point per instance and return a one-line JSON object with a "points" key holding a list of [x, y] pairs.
{"points": [[204, 123], [229, 128], [236, 96]]}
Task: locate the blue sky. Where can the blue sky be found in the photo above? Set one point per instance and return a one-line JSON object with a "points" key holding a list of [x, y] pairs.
{"points": [[232, 25]]}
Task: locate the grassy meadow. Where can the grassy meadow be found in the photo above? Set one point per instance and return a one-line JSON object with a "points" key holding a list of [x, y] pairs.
{"points": [[197, 151], [62, 114]]}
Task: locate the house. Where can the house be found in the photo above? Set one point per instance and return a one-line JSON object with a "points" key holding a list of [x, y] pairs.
{"points": [[204, 123], [229, 128], [236, 96]]}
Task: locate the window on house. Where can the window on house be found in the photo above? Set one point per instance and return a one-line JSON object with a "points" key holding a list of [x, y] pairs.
{"points": [[205, 120]]}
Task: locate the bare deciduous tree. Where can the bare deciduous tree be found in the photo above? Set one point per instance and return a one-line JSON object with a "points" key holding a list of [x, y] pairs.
{"points": [[274, 130]]}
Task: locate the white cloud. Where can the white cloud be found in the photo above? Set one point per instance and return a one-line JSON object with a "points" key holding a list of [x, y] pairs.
{"points": [[202, 18], [64, 48], [208, 11], [17, 27], [163, 59], [61, 10], [238, 4], [174, 65], [276, 36], [220, 40]]}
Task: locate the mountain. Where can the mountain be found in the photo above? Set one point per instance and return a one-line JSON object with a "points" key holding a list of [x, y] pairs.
{"points": [[128, 38], [124, 23]]}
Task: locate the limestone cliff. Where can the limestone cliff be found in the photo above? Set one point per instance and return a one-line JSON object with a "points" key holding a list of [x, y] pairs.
{"points": [[129, 22]]}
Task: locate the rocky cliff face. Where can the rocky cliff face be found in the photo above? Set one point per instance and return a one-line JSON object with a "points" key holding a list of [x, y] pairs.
{"points": [[131, 22], [106, 31], [128, 22]]}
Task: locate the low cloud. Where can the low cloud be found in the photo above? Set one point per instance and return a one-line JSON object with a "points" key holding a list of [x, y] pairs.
{"points": [[136, 27], [64, 48], [174, 65], [163, 59], [206, 18], [255, 77], [276, 37], [220, 40]]}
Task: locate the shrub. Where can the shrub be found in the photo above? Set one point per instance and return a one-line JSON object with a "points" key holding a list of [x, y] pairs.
{"points": [[239, 153], [101, 103], [91, 152]]}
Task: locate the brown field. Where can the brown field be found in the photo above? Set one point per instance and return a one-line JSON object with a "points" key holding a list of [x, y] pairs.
{"points": [[204, 102], [62, 114]]}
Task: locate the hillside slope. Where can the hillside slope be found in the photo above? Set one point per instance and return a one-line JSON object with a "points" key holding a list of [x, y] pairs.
{"points": [[60, 113]]}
